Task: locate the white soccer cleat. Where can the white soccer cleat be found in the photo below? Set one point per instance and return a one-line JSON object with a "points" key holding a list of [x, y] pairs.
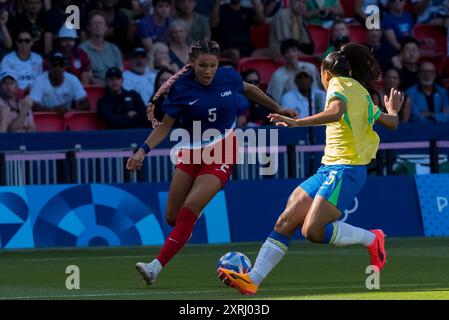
{"points": [[148, 271]]}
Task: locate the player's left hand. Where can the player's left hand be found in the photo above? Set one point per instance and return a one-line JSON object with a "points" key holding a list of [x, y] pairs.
{"points": [[288, 112], [282, 121], [394, 103], [135, 162]]}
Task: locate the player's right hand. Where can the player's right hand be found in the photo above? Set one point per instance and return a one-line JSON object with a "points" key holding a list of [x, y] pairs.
{"points": [[151, 117], [135, 162]]}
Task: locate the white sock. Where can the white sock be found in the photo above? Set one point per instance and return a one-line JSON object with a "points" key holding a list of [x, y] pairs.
{"points": [[345, 234], [270, 254], [156, 265]]}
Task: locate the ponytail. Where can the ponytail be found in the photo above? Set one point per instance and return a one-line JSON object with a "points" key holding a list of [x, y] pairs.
{"points": [[355, 61], [169, 83]]}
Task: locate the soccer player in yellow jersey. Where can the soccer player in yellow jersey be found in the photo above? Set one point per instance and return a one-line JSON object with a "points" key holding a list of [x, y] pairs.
{"points": [[351, 144]]}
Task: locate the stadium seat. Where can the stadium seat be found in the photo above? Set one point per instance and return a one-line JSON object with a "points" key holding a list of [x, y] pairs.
{"points": [[48, 121], [83, 121], [316, 61], [348, 7], [260, 36], [321, 38], [358, 34], [93, 94], [265, 66], [432, 38]]}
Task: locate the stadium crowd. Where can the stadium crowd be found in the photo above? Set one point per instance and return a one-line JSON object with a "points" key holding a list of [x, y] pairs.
{"points": [[103, 74]]}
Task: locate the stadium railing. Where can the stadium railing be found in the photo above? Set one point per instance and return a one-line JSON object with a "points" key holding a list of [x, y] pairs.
{"points": [[50, 158]]}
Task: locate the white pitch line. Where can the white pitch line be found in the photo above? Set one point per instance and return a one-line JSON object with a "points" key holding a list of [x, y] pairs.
{"points": [[180, 255], [155, 293]]}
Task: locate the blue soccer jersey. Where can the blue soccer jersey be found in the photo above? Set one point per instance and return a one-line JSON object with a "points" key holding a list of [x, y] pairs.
{"points": [[216, 106]]}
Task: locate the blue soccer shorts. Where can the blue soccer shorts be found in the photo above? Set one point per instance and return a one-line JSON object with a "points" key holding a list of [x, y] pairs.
{"points": [[339, 184]]}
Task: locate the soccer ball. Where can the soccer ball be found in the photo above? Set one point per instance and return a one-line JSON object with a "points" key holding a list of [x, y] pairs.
{"points": [[235, 261]]}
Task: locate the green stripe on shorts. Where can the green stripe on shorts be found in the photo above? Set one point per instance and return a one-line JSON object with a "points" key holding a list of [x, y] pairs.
{"points": [[336, 193]]}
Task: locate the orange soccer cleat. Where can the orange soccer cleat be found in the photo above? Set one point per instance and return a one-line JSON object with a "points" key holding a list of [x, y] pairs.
{"points": [[239, 281]]}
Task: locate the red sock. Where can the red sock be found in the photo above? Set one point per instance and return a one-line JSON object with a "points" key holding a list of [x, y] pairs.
{"points": [[179, 236]]}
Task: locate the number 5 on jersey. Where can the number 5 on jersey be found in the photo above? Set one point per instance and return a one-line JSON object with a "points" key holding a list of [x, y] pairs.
{"points": [[212, 115]]}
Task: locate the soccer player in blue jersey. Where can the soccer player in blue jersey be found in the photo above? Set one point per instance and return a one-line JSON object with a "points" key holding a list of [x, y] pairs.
{"points": [[351, 143], [201, 91]]}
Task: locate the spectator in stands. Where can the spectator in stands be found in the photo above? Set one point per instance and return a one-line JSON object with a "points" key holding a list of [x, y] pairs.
{"points": [[407, 62], [392, 80], [5, 36], [120, 29], [205, 7], [272, 7], [323, 12], [15, 114], [256, 115], [152, 28], [339, 36], [198, 25], [178, 43], [102, 54], [433, 12], [381, 50], [234, 37], [430, 102], [57, 14], [163, 75], [397, 24], [120, 108], [36, 20], [289, 23], [135, 9], [25, 63], [57, 90], [304, 99], [76, 60], [283, 79], [139, 78], [159, 57]]}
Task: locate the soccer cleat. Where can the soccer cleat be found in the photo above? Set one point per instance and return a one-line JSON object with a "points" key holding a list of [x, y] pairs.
{"points": [[147, 271], [239, 281], [377, 250]]}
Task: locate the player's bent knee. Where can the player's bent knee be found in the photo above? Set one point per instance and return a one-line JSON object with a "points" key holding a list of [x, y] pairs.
{"points": [[312, 234]]}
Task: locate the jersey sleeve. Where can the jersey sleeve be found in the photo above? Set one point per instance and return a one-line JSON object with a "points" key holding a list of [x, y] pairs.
{"points": [[173, 104], [335, 91], [237, 80], [239, 83], [376, 112]]}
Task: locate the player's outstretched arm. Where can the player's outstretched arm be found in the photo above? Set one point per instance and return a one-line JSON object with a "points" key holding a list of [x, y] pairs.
{"points": [[154, 139], [393, 104], [333, 113], [253, 93]]}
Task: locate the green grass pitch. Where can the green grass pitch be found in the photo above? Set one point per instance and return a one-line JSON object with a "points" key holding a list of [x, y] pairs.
{"points": [[417, 268]]}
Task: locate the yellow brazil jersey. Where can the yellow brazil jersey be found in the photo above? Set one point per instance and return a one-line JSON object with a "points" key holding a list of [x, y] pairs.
{"points": [[351, 140]]}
